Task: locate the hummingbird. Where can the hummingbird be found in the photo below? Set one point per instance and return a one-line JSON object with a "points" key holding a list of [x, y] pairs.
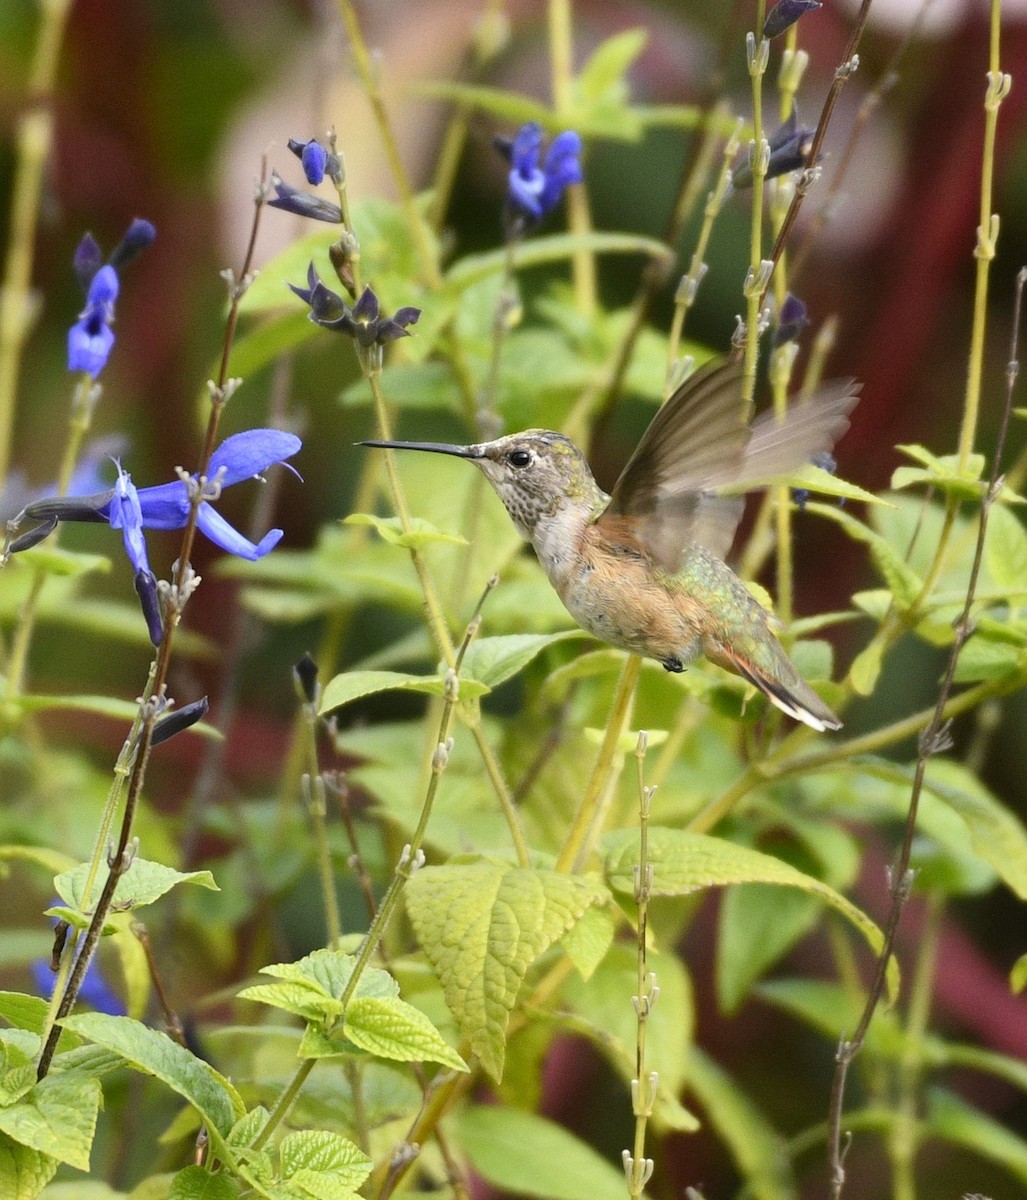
{"points": [[644, 568]]}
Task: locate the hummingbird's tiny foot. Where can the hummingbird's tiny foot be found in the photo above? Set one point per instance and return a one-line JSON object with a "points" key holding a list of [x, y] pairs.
{"points": [[674, 665]]}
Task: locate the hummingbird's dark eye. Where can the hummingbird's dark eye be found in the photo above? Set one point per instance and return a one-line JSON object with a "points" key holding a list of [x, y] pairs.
{"points": [[519, 458]]}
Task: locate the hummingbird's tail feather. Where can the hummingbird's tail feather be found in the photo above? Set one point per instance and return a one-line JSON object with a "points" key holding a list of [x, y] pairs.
{"points": [[795, 698]]}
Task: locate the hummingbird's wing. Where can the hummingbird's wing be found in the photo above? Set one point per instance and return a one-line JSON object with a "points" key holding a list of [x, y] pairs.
{"points": [[685, 483]]}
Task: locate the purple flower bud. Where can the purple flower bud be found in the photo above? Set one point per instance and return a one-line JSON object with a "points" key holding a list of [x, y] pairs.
{"points": [[789, 147], [303, 204], [305, 674], [314, 159], [139, 235], [179, 720], [87, 260], [791, 321], [363, 322], [149, 601], [785, 13]]}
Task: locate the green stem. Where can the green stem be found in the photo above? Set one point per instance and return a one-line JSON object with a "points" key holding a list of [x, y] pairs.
{"points": [[436, 618], [757, 51], [369, 80], [638, 1168], [33, 138], [579, 217], [575, 847], [503, 793], [987, 235], [318, 807], [902, 1144]]}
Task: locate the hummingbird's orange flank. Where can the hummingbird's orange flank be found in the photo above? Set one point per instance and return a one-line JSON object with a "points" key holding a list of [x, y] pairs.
{"points": [[643, 568]]}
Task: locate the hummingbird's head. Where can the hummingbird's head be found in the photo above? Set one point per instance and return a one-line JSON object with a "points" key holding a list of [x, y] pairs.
{"points": [[536, 474]]}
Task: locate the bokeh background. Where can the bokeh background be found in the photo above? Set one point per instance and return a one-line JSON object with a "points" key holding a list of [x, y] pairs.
{"points": [[164, 110]]}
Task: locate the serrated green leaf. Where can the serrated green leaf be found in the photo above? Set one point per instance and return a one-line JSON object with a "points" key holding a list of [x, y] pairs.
{"points": [[390, 1028], [197, 1183], [326, 1154], [815, 479], [247, 1127], [29, 1012], [902, 580], [24, 1172], [482, 925], [294, 997], [494, 660], [140, 885], [529, 1155], [390, 529], [57, 1117], [353, 685], [688, 862], [587, 941], [154, 1053], [758, 1149], [329, 972]]}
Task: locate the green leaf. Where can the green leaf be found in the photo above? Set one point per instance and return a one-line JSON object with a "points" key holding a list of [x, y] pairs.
{"points": [[55, 560], [494, 660], [294, 997], [902, 580], [757, 1148], [29, 1012], [614, 1026], [154, 1053], [758, 924], [956, 1121], [1005, 550], [140, 885], [51, 861], [689, 862], [588, 941], [528, 1155], [196, 1183], [326, 1154], [554, 247], [57, 1117], [482, 925], [411, 385], [390, 1028], [24, 1172], [390, 529], [1018, 975], [815, 479], [353, 685], [608, 65], [329, 971], [513, 107]]}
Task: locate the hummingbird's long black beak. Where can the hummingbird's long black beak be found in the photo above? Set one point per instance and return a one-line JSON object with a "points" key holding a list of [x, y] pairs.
{"points": [[431, 447]]}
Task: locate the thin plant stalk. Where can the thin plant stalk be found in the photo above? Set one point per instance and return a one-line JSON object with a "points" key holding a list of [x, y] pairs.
{"points": [[579, 218], [637, 1168], [32, 141], [369, 81], [411, 858], [576, 848]]}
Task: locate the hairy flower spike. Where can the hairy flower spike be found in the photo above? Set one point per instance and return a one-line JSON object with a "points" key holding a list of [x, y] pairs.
{"points": [[535, 186], [785, 13], [363, 322]]}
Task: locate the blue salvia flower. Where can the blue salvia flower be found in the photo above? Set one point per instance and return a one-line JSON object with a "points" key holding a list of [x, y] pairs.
{"points": [[317, 160], [364, 322], [91, 338], [535, 185], [167, 506], [791, 321], [95, 990]]}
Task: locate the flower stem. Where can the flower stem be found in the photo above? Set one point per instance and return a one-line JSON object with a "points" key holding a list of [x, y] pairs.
{"points": [[576, 847], [33, 138], [369, 79], [579, 217]]}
